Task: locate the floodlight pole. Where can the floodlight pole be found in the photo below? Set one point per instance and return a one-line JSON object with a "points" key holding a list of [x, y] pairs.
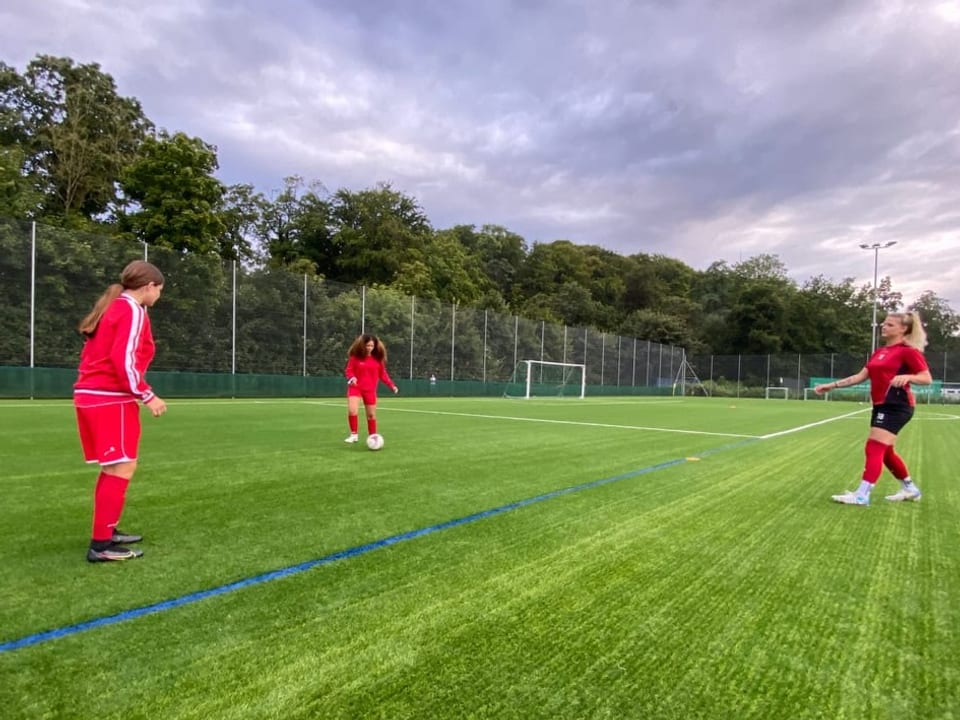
{"points": [[876, 247]]}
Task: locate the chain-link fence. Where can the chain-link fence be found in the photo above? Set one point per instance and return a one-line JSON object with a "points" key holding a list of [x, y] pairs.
{"points": [[219, 317]]}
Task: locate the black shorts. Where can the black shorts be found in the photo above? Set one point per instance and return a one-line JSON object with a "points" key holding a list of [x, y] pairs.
{"points": [[891, 418]]}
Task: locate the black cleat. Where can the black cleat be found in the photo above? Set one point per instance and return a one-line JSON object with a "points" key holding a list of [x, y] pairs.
{"points": [[119, 536], [113, 552]]}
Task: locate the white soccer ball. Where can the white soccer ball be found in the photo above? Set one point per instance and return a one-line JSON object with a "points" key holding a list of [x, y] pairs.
{"points": [[375, 441]]}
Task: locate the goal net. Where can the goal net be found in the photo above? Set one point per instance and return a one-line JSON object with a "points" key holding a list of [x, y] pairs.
{"points": [[539, 378], [776, 392]]}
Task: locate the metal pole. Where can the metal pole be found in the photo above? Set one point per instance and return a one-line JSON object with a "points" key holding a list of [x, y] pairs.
{"points": [[413, 302], [876, 247], [453, 336], [233, 342], [485, 346], [304, 324], [873, 324], [33, 289]]}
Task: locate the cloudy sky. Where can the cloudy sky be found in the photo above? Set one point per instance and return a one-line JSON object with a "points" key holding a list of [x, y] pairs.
{"points": [[700, 129]]}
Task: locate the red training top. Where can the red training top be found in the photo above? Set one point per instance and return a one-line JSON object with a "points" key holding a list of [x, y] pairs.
{"points": [[114, 359], [884, 364], [368, 371]]}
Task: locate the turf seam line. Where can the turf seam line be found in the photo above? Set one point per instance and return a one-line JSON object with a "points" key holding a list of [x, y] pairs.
{"points": [[68, 630]]}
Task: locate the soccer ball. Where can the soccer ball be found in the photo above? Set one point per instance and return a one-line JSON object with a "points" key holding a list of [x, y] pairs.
{"points": [[375, 441]]}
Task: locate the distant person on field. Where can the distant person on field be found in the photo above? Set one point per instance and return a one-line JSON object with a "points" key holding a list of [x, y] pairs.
{"points": [[891, 369], [366, 367], [110, 384]]}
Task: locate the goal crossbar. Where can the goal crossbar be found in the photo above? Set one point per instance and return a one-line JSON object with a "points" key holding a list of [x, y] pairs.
{"points": [[530, 385]]}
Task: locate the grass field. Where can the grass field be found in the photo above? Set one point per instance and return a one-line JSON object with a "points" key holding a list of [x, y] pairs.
{"points": [[605, 558]]}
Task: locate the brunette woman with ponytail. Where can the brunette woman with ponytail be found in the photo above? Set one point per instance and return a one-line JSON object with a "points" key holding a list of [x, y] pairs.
{"points": [[891, 369], [115, 357]]}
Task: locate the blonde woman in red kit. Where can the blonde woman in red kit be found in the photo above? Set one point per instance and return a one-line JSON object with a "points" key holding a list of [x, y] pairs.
{"points": [[110, 384]]}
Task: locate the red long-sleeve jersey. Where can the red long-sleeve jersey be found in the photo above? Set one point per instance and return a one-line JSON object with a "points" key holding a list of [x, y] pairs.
{"points": [[887, 362], [115, 358], [368, 371]]}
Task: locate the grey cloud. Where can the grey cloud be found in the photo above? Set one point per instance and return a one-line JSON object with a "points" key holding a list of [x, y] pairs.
{"points": [[699, 129]]}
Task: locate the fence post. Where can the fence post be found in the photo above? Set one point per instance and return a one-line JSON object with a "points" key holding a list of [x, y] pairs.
{"points": [[413, 302], [453, 335], [304, 326], [485, 346], [739, 357]]}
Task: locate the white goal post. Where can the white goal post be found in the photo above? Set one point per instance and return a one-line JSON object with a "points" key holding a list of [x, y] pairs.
{"points": [[541, 378], [785, 391]]}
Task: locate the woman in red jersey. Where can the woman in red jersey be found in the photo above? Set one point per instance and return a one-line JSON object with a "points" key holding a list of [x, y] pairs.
{"points": [[117, 351], [891, 369], [366, 367]]}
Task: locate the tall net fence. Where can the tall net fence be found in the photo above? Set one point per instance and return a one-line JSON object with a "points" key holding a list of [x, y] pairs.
{"points": [[225, 329]]}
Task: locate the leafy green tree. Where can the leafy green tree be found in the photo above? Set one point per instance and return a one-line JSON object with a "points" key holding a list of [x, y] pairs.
{"points": [[242, 212], [500, 252], [659, 327], [828, 317], [375, 233], [550, 265], [18, 198], [178, 201], [758, 320], [281, 223], [456, 274], [939, 320], [76, 133]]}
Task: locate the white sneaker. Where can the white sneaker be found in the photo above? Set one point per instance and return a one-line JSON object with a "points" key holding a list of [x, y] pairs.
{"points": [[851, 498], [353, 438], [905, 495]]}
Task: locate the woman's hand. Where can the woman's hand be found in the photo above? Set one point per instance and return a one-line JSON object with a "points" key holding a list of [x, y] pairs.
{"points": [[157, 406]]}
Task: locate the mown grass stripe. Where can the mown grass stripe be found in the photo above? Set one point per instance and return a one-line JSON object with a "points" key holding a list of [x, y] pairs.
{"points": [[288, 571]]}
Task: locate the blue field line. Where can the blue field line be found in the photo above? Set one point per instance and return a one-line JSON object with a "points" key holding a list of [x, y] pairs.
{"points": [[126, 615]]}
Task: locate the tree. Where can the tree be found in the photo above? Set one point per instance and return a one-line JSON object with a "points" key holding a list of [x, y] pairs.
{"points": [[179, 203], [758, 319], [18, 198], [77, 134], [243, 209], [499, 251], [659, 327], [939, 320], [375, 232], [282, 226], [828, 317], [550, 265]]}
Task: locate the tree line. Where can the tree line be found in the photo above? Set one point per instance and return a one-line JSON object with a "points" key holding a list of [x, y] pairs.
{"points": [[76, 155]]}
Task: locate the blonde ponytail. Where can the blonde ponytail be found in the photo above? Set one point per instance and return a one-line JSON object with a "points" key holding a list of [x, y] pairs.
{"points": [[916, 335]]}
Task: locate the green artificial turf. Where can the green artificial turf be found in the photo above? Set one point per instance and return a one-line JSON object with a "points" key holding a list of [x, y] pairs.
{"points": [[678, 559]]}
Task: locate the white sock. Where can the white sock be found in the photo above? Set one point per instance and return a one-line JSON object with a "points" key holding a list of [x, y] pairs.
{"points": [[907, 484], [865, 488]]}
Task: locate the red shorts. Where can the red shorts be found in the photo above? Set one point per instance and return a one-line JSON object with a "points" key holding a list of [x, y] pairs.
{"points": [[369, 396], [109, 434]]}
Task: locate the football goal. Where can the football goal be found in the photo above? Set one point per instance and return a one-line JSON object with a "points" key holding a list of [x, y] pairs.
{"points": [[777, 392], [539, 378]]}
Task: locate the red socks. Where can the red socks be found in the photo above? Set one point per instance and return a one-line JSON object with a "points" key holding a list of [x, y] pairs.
{"points": [[371, 426], [108, 500], [354, 423], [895, 464], [874, 450]]}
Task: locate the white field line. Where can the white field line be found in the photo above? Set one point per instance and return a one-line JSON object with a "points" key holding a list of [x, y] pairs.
{"points": [[810, 425], [561, 422]]}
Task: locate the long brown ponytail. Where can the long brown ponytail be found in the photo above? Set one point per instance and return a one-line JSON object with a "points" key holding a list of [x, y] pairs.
{"points": [[135, 275]]}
